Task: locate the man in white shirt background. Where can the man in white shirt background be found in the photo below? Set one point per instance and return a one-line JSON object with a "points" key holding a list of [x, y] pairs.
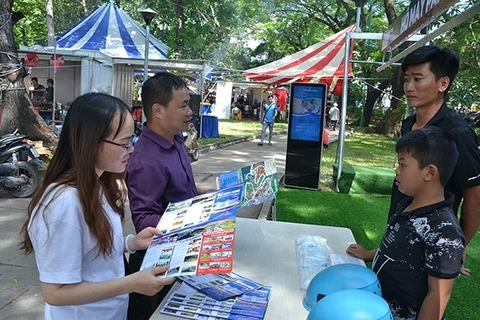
{"points": [[334, 115]]}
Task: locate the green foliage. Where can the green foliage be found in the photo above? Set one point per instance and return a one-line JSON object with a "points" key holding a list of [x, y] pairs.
{"points": [[32, 29], [465, 40], [67, 13]]}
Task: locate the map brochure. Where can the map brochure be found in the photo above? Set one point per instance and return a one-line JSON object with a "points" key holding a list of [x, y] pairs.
{"points": [[198, 235], [221, 286], [187, 302], [259, 181]]}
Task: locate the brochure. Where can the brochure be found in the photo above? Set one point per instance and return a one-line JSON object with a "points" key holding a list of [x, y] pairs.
{"points": [[258, 296], [221, 286], [259, 181], [198, 235], [187, 302]]}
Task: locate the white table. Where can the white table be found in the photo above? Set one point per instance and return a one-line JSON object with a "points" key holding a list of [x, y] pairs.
{"points": [[265, 251]]}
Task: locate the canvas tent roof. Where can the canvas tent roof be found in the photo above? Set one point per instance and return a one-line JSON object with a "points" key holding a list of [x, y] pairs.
{"points": [[319, 63], [112, 32]]}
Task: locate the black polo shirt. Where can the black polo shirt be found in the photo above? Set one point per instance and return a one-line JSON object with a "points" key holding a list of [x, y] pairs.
{"points": [[416, 244], [467, 170]]}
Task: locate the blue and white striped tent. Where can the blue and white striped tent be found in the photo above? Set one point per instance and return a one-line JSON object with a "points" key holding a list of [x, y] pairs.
{"points": [[112, 32]]}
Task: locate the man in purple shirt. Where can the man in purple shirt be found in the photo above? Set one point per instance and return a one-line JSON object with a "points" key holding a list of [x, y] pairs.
{"points": [[159, 170]]}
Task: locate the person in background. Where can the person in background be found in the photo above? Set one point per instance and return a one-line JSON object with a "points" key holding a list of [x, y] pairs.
{"points": [[49, 91], [159, 170], [334, 114], [327, 114], [270, 111], [74, 224], [420, 254], [38, 92]]}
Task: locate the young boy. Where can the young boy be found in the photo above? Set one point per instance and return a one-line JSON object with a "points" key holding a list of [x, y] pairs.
{"points": [[421, 251]]}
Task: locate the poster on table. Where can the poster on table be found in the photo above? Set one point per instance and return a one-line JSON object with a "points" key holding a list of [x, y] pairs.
{"points": [[305, 135]]}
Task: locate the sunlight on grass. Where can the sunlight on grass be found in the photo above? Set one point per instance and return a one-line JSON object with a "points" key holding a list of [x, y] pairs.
{"points": [[234, 129], [361, 149]]}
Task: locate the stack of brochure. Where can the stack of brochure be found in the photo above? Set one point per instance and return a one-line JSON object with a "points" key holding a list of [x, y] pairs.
{"points": [[222, 286], [198, 298], [198, 235]]}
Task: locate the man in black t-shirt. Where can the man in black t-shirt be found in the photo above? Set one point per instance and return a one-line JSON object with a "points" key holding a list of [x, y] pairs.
{"points": [[38, 92], [49, 90]]}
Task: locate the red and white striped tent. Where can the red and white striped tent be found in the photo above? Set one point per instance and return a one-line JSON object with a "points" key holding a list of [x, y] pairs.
{"points": [[321, 63]]}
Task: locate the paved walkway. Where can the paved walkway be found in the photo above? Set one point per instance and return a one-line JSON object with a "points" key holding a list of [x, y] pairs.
{"points": [[20, 295]]}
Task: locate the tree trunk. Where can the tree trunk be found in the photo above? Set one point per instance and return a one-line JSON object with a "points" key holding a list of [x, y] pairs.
{"points": [[397, 87], [85, 8], [180, 18], [372, 95], [390, 124], [16, 108], [390, 10], [50, 25]]}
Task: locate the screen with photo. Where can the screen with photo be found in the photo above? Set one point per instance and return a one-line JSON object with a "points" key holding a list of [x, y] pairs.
{"points": [[305, 135], [307, 103]]}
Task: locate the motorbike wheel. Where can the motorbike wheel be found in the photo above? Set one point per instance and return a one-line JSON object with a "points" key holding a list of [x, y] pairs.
{"points": [[29, 188], [194, 155]]}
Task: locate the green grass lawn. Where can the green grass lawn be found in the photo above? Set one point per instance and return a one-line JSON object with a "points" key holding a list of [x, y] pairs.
{"points": [[366, 216], [234, 129]]}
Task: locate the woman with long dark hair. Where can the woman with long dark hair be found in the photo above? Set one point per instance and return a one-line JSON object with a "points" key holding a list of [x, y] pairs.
{"points": [[74, 224]]}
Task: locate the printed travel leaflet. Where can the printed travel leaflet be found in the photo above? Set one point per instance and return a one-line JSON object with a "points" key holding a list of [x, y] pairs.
{"points": [[187, 302], [259, 181], [198, 235], [221, 286]]}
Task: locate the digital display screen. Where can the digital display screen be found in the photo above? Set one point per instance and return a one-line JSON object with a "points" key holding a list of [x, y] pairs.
{"points": [[305, 135], [307, 111]]}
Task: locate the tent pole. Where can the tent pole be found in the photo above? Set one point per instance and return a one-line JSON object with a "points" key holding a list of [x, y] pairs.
{"points": [[344, 108], [54, 78]]}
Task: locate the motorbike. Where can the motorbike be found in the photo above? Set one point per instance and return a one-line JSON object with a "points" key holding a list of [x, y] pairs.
{"points": [[190, 141], [190, 137], [20, 166]]}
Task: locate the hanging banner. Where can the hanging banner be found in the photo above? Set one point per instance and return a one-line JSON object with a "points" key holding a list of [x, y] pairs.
{"points": [[419, 14], [58, 62], [305, 135]]}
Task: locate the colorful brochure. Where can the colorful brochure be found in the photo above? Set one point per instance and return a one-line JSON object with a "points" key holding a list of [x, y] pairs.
{"points": [[259, 181], [187, 302], [222, 286], [198, 235]]}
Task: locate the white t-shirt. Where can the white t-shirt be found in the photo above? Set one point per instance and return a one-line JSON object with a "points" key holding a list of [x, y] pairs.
{"points": [[334, 113], [66, 253]]}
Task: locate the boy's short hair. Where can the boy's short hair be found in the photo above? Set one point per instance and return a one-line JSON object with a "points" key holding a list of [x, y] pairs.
{"points": [[50, 81], [34, 79], [431, 145]]}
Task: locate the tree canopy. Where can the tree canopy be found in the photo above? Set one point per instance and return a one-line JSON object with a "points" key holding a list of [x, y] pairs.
{"points": [[223, 31]]}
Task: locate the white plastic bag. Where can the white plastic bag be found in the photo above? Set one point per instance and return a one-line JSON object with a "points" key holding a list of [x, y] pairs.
{"points": [[312, 257]]}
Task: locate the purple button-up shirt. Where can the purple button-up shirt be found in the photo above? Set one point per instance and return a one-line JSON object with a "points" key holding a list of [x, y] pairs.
{"points": [[158, 172]]}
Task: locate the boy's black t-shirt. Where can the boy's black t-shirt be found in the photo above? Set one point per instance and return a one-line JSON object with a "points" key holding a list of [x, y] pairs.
{"points": [[426, 241]]}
